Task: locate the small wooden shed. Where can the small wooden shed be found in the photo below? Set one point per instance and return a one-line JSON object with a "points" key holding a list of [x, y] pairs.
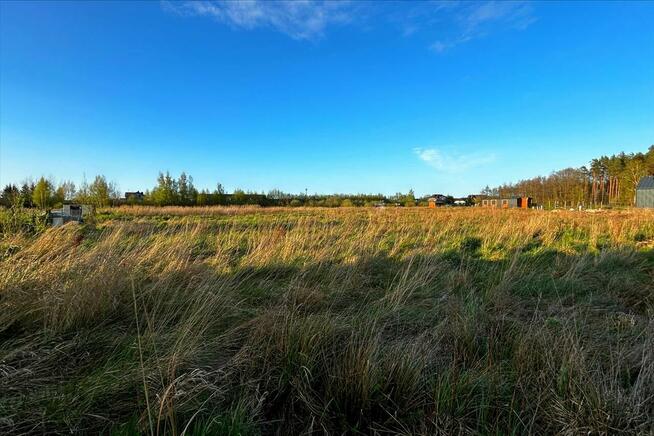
{"points": [[507, 203], [645, 192]]}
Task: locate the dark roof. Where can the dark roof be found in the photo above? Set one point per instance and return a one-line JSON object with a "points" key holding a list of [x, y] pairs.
{"points": [[438, 198], [646, 182]]}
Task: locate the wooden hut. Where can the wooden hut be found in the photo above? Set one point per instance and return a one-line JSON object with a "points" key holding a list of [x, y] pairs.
{"points": [[645, 192], [507, 203]]}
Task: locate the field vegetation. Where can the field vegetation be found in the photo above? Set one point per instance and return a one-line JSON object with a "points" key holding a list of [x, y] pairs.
{"points": [[250, 321]]}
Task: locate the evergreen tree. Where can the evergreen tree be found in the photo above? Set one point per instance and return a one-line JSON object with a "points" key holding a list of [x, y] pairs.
{"points": [[26, 193], [608, 180], [10, 195]]}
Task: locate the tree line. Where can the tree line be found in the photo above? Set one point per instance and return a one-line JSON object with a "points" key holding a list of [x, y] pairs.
{"points": [[606, 181], [44, 193], [180, 191]]}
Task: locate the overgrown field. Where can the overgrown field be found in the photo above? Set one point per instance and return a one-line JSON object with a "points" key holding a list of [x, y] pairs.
{"points": [[330, 321]]}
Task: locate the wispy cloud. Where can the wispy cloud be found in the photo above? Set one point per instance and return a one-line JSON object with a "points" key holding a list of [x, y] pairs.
{"points": [[517, 15], [476, 20], [442, 46], [452, 162], [447, 24], [299, 19]]}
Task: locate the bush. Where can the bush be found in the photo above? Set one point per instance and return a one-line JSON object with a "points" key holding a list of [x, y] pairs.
{"points": [[347, 203], [19, 220]]}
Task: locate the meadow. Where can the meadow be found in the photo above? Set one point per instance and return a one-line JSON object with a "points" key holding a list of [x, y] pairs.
{"points": [[248, 321]]}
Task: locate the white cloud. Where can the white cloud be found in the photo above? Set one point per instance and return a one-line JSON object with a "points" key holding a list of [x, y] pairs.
{"points": [[452, 162], [299, 19], [448, 23], [475, 20], [516, 15], [439, 46]]}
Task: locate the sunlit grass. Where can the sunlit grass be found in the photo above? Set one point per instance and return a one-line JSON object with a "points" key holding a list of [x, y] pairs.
{"points": [[250, 320]]}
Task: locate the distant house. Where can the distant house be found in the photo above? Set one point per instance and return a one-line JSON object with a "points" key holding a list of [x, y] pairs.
{"points": [[134, 197], [477, 199], [489, 202], [69, 212], [464, 201], [507, 203], [645, 192], [525, 202], [437, 200]]}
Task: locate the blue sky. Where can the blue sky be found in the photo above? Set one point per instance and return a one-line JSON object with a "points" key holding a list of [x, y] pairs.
{"points": [[332, 97]]}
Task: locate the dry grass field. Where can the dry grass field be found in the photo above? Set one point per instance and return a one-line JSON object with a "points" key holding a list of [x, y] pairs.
{"points": [[330, 321]]}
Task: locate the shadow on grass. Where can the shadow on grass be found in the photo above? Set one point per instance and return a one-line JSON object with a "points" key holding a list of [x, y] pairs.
{"points": [[451, 342]]}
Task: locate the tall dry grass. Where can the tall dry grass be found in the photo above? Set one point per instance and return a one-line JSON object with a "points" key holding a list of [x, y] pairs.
{"points": [[409, 321]]}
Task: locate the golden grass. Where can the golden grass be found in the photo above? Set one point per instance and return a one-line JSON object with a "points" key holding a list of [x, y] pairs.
{"points": [[249, 320]]}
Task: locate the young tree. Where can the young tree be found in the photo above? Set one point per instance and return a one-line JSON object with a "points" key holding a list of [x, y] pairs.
{"points": [[636, 168], [58, 196], [101, 192], [166, 192], [183, 188], [219, 195], [187, 192], [202, 198], [42, 194], [68, 190], [239, 197], [409, 200], [82, 195]]}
